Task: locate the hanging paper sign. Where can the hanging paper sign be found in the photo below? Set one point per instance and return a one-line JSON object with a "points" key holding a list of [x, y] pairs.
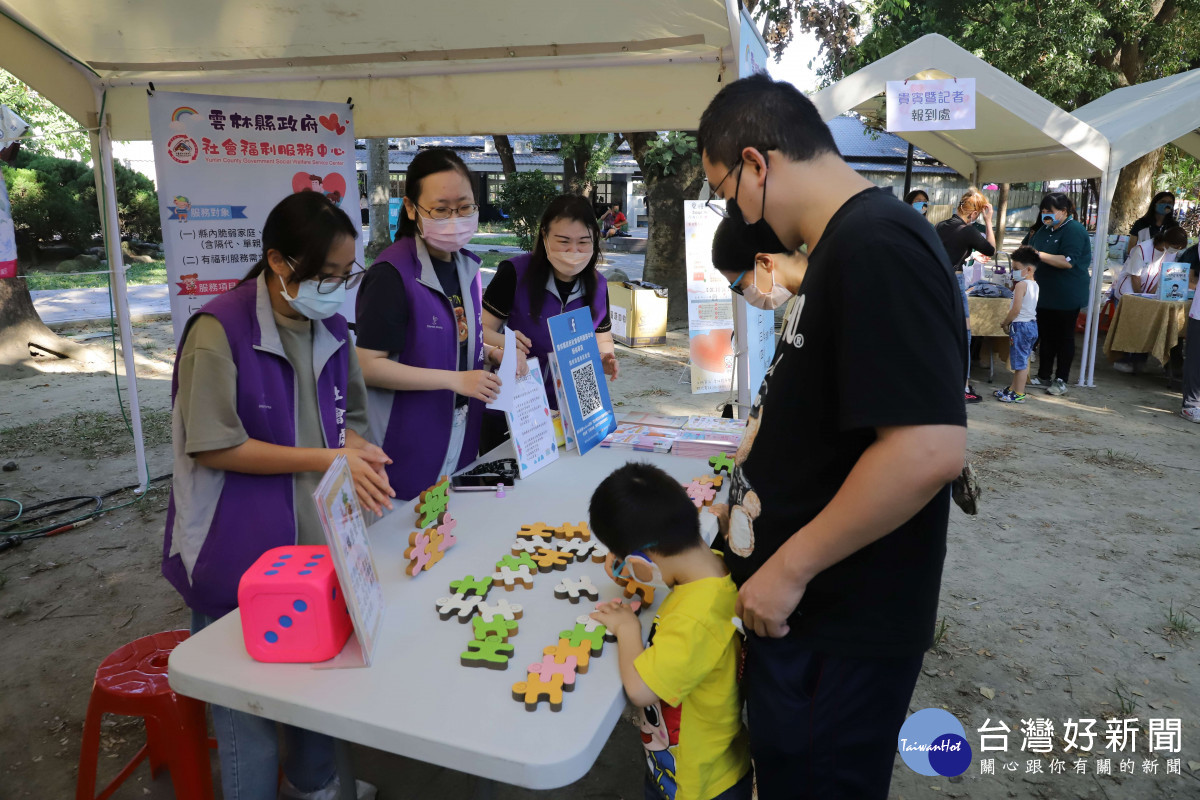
{"points": [[936, 105], [223, 163], [710, 304]]}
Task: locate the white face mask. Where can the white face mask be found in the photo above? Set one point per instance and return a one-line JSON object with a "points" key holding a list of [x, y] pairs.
{"points": [[777, 296]]}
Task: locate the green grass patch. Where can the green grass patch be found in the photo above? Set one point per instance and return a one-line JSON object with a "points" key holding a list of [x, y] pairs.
{"points": [[496, 241], [90, 434], [492, 260], [137, 275]]}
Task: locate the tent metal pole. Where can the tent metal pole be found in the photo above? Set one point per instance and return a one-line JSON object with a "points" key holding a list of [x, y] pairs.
{"points": [[1091, 330], [106, 189]]}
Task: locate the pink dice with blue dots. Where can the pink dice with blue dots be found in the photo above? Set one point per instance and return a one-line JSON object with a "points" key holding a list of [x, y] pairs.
{"points": [[292, 606]]}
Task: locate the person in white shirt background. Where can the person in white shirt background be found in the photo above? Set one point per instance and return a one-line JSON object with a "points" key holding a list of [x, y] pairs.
{"points": [[1191, 363], [1141, 274]]}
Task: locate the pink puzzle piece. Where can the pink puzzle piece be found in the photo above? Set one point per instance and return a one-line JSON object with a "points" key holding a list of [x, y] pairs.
{"points": [[417, 553], [701, 494], [446, 529], [547, 668]]}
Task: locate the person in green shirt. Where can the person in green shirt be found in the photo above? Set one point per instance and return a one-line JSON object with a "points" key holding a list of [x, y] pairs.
{"points": [[1066, 253]]}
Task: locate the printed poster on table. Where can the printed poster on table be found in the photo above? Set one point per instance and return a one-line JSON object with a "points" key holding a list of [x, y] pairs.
{"points": [[223, 163], [936, 105], [579, 378], [710, 304], [1173, 285], [530, 422], [346, 532]]}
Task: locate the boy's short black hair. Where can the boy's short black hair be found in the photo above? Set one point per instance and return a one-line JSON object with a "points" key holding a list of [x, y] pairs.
{"points": [[760, 112], [1026, 255], [640, 507]]}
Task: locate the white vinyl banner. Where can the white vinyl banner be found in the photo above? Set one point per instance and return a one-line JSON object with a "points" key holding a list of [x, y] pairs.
{"points": [[223, 163], [934, 105]]}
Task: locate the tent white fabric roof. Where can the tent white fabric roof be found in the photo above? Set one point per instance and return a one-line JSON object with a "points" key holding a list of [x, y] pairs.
{"points": [[474, 66], [1139, 119], [1019, 135]]}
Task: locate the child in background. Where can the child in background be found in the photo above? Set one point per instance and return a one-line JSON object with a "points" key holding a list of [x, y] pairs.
{"points": [[686, 678], [1021, 322]]}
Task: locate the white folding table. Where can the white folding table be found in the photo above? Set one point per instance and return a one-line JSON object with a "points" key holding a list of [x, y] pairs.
{"points": [[416, 699]]}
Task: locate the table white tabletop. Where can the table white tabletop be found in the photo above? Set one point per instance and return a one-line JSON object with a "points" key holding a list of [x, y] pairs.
{"points": [[416, 699]]}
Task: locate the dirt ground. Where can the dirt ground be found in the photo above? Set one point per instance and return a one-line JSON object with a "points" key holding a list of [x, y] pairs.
{"points": [[1074, 593]]}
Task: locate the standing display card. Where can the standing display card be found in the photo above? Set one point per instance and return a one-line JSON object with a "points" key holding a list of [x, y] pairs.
{"points": [[1173, 285], [579, 378], [346, 532], [530, 422]]}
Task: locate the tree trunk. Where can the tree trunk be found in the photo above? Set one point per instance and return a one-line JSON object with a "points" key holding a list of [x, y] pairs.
{"points": [[379, 191], [1001, 216], [1134, 189], [508, 162], [21, 328]]}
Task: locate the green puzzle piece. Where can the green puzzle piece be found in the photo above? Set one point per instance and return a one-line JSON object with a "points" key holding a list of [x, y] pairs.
{"points": [[580, 634], [498, 626], [516, 562], [469, 585], [721, 461], [491, 652], [433, 503]]}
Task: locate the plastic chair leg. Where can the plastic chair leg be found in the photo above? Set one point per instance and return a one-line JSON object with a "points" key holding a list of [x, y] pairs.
{"points": [[190, 765], [157, 746], [89, 754]]}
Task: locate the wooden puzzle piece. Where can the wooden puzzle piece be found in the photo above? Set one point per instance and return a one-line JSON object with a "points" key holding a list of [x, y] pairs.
{"points": [[576, 547], [446, 526], [715, 480], [490, 652], [533, 689], [699, 493], [510, 579], [530, 545], [434, 549], [564, 650], [568, 531], [590, 625], [469, 585], [516, 562], [464, 606], [548, 666], [417, 552], [572, 589], [546, 560], [721, 462], [536, 529], [599, 553], [499, 627], [433, 502], [636, 588], [502, 609], [581, 635]]}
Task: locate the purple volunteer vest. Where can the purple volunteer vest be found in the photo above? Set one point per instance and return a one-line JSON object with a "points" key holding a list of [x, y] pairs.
{"points": [[521, 317], [255, 513], [418, 429]]}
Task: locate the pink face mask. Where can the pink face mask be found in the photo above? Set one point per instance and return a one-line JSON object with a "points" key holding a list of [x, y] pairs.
{"points": [[450, 235], [569, 263]]}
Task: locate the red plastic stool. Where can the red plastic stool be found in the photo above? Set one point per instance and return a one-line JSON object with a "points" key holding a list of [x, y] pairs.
{"points": [[133, 682]]}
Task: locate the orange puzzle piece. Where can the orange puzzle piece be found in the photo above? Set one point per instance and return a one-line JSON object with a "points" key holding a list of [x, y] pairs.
{"points": [[536, 529], [533, 689], [568, 531], [633, 587], [563, 650]]}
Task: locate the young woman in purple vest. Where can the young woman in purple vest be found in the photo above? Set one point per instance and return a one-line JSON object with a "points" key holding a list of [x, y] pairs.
{"points": [[419, 334], [267, 392], [560, 275]]}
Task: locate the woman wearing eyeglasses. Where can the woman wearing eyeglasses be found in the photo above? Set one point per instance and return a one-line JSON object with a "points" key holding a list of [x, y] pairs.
{"points": [[420, 338], [267, 393]]}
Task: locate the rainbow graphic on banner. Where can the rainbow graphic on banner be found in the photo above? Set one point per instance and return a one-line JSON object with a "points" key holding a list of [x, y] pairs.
{"points": [[182, 112]]}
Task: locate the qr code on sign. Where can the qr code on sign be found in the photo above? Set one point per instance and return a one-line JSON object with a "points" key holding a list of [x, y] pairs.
{"points": [[586, 389]]}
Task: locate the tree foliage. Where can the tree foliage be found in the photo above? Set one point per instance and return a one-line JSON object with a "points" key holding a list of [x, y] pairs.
{"points": [[524, 198], [55, 199], [53, 132]]}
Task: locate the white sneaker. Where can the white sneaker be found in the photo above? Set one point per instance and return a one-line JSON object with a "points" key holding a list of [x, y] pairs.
{"points": [[1034, 380], [363, 790], [1190, 414], [1057, 388], [1124, 366]]}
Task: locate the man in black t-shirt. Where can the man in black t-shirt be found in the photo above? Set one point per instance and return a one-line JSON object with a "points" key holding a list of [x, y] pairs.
{"points": [[839, 499]]}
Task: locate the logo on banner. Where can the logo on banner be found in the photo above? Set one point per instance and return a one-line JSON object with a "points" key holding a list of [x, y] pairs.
{"points": [[183, 210], [331, 123], [191, 285], [933, 742], [182, 148]]}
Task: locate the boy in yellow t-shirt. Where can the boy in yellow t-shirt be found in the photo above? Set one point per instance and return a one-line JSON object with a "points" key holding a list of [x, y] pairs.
{"points": [[685, 678]]}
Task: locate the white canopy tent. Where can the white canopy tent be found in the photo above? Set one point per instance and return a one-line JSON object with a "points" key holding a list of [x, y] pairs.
{"points": [[524, 66], [1137, 120]]}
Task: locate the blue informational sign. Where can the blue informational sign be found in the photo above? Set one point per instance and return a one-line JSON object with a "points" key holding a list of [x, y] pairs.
{"points": [[579, 378]]}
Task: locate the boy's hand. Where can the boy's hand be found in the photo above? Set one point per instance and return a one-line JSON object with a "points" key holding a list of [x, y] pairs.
{"points": [[616, 616]]}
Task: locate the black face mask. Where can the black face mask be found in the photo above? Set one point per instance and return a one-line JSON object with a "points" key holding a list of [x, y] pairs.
{"points": [[759, 237]]}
